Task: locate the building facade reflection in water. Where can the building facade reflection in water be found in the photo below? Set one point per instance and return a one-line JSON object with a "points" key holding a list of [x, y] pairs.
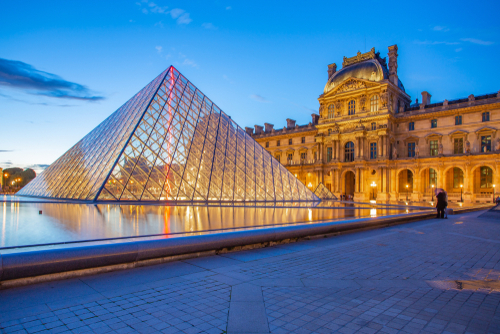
{"points": [[23, 225]]}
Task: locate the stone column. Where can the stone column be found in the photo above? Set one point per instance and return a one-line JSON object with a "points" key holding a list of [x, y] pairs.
{"points": [[440, 180], [339, 151], [393, 184]]}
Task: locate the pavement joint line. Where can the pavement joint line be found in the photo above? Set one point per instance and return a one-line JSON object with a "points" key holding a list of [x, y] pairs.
{"points": [[473, 237]]}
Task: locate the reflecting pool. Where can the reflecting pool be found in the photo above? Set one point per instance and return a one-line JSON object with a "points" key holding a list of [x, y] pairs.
{"points": [[43, 223]]}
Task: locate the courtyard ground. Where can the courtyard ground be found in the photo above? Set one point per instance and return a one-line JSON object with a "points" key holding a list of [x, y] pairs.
{"points": [[434, 276]]}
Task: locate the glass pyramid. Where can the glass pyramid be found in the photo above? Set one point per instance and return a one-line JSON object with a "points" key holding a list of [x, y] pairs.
{"points": [[168, 143], [323, 192]]}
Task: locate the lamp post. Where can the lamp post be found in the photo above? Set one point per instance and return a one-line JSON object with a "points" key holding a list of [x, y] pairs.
{"points": [[407, 193], [432, 199], [461, 191], [373, 185], [493, 193]]}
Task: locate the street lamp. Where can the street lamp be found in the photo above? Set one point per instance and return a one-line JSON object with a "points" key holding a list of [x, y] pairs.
{"points": [[373, 185], [407, 193], [432, 199], [461, 191], [493, 193]]}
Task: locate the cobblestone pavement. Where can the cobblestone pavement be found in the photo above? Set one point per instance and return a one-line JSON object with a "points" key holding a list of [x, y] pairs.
{"points": [[434, 276]]}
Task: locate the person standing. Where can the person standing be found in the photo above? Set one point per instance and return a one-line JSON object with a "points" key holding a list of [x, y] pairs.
{"points": [[441, 204]]}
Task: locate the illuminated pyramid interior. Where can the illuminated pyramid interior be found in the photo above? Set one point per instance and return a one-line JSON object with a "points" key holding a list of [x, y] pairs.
{"points": [[168, 143], [323, 193]]}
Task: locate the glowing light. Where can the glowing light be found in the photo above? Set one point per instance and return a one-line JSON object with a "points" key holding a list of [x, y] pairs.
{"points": [[373, 212], [310, 185], [374, 184], [461, 186]]}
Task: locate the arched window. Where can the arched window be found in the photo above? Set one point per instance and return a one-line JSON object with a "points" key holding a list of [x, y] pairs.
{"points": [[331, 111], [432, 177], [349, 151], [374, 103], [351, 107], [458, 178]]}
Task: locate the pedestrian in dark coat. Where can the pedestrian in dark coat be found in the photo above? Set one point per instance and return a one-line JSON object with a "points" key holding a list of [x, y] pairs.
{"points": [[441, 204]]}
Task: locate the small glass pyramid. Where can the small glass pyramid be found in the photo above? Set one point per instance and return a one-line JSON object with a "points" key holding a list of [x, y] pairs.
{"points": [[323, 193], [168, 143]]}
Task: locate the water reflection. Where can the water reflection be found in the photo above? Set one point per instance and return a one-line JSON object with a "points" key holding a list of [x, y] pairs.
{"points": [[23, 225]]}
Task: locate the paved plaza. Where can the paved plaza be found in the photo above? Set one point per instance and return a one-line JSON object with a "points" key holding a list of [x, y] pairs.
{"points": [[434, 276]]}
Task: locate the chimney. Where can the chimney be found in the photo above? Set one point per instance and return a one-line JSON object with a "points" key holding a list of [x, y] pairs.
{"points": [[269, 127], [332, 68], [315, 118], [393, 64], [258, 129], [290, 123], [426, 98], [249, 130]]}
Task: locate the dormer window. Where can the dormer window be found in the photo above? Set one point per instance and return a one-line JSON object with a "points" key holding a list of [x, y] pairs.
{"points": [[374, 103], [351, 107], [331, 111], [374, 126]]}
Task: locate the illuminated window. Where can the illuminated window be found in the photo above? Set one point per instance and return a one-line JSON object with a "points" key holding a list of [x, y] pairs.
{"points": [[289, 157], [328, 154], [411, 150], [486, 116], [303, 156], [458, 120], [458, 145], [486, 177], [374, 126], [374, 103], [432, 177], [434, 147], [485, 143], [411, 126], [434, 123], [373, 150], [458, 177], [331, 111], [351, 107], [349, 152]]}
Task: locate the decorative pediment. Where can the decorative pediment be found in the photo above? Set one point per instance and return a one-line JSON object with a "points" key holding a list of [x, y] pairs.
{"points": [[486, 130], [302, 149], [433, 135], [411, 139], [290, 150], [458, 134], [349, 84]]}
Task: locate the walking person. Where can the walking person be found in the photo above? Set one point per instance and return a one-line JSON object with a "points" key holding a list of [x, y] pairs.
{"points": [[441, 203]]}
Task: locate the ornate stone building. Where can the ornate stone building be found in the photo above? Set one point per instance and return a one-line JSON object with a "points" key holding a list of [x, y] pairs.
{"points": [[369, 141]]}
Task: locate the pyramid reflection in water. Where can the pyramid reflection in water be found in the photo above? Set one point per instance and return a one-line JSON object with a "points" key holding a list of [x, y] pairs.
{"points": [[168, 143]]}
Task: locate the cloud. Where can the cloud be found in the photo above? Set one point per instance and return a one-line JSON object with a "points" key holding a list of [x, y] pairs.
{"points": [[158, 48], [6, 163], [229, 8], [259, 98], [209, 26], [180, 15], [38, 166], [18, 75], [441, 28], [189, 62], [435, 42], [4, 151], [458, 49], [477, 41], [225, 77]]}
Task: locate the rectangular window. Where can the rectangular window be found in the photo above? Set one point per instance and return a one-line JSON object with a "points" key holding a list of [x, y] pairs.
{"points": [[278, 157], [290, 157], [458, 177], [485, 143], [434, 123], [303, 140], [411, 150], [458, 120], [373, 150], [411, 126], [434, 147], [303, 156], [458, 145], [486, 177], [267, 144], [374, 126], [278, 143], [432, 177], [290, 141], [486, 116], [328, 154]]}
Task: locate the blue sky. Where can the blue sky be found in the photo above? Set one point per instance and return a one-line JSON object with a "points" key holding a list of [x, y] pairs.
{"points": [[66, 65]]}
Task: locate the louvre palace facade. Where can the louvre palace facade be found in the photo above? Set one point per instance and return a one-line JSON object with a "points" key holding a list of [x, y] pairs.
{"points": [[371, 142]]}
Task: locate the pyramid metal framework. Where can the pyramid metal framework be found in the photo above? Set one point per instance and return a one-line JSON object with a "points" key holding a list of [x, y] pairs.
{"points": [[168, 143], [323, 193]]}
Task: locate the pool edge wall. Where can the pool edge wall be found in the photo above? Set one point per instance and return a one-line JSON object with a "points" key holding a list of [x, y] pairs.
{"points": [[43, 265]]}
